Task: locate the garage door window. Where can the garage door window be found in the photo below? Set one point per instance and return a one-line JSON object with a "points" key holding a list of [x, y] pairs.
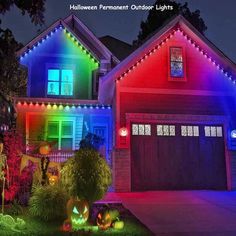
{"points": [[165, 130], [188, 130], [213, 131], [141, 129]]}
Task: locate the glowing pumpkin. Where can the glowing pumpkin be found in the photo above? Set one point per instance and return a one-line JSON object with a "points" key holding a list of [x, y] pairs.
{"points": [[77, 212], [45, 149], [104, 220], [53, 179], [118, 224]]}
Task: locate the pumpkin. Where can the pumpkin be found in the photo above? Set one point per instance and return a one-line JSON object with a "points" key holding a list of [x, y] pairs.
{"points": [[77, 212], [104, 220], [45, 149], [118, 224], [53, 179]]}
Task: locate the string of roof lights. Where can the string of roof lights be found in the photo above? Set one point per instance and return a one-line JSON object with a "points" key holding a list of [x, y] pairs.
{"points": [[70, 35], [194, 44], [61, 106]]}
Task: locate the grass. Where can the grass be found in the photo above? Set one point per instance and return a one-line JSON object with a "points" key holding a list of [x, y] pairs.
{"points": [[35, 227]]}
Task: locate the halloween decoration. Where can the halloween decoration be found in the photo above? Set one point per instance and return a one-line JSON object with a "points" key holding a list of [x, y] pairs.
{"points": [[66, 227], [118, 224], [53, 179], [77, 212], [3, 168], [44, 166], [45, 149], [104, 219]]}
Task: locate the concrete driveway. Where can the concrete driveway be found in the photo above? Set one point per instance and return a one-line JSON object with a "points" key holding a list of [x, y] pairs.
{"points": [[183, 213]]}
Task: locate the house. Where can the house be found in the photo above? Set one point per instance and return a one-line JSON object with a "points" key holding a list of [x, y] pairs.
{"points": [[167, 110], [64, 65]]}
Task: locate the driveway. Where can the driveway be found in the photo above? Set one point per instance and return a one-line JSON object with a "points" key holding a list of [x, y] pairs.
{"points": [[183, 213]]}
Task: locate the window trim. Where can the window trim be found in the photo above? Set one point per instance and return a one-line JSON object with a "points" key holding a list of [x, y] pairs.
{"points": [[177, 79], [60, 120], [59, 67]]}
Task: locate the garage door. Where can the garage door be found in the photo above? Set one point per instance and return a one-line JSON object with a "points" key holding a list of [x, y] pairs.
{"points": [[177, 156]]}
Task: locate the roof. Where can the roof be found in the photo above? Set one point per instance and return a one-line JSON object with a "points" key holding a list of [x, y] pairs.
{"points": [[207, 48], [119, 48], [80, 31]]}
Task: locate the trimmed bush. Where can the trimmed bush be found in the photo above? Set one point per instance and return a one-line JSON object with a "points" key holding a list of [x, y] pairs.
{"points": [[48, 202], [86, 175]]}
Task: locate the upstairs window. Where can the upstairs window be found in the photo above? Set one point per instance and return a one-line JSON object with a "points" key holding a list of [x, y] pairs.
{"points": [[60, 82], [176, 63]]}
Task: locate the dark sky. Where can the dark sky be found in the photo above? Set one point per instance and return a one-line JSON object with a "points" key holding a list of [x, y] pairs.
{"points": [[219, 17]]}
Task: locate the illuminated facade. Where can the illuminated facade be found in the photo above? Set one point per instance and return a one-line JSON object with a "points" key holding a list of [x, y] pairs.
{"points": [[167, 112], [64, 66]]}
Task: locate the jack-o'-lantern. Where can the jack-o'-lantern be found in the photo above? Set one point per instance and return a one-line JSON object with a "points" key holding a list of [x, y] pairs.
{"points": [[104, 220], [53, 179], [77, 212], [45, 149]]}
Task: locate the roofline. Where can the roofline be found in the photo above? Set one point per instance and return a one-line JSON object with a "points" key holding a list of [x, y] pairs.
{"points": [[92, 35], [62, 22]]}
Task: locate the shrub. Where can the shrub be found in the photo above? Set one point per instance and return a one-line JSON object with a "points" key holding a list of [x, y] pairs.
{"points": [[87, 175], [48, 202], [15, 208]]}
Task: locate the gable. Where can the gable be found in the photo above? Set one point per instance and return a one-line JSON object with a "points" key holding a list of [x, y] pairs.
{"points": [[152, 51]]}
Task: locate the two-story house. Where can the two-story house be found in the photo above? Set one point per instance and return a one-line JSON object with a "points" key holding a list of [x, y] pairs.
{"points": [[167, 111]]}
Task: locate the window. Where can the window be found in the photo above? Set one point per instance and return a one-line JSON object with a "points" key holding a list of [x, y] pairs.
{"points": [[165, 130], [189, 130], [60, 82], [213, 131], [176, 62], [141, 129], [60, 132]]}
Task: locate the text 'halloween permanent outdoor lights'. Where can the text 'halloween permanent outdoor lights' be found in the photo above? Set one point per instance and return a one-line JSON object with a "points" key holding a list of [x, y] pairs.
{"points": [[54, 106], [189, 40], [69, 34]]}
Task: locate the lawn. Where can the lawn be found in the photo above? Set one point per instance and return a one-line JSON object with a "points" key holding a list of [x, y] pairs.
{"points": [[36, 227]]}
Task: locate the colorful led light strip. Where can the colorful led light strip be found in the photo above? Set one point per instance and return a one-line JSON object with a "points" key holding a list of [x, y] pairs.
{"points": [[61, 106], [157, 47], [70, 36]]}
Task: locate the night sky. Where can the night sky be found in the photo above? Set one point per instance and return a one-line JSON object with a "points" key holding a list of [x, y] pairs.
{"points": [[219, 17]]}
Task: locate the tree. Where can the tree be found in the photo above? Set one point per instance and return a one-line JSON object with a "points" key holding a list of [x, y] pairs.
{"points": [[156, 19], [12, 75], [86, 176]]}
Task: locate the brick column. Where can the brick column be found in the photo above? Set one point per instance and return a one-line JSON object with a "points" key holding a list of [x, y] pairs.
{"points": [[121, 170]]}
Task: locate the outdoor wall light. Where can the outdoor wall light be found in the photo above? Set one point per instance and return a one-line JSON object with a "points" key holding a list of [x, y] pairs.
{"points": [[233, 133], [123, 132]]}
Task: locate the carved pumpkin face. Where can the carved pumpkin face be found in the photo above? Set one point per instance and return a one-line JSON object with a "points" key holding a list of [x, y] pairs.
{"points": [[78, 212], [103, 220]]}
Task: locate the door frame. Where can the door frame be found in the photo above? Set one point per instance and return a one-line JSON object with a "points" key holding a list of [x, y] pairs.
{"points": [[188, 119]]}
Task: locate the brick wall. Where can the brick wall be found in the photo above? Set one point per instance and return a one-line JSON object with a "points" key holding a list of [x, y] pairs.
{"points": [[121, 170]]}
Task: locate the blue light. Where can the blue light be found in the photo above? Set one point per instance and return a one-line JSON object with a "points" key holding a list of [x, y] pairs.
{"points": [[233, 133]]}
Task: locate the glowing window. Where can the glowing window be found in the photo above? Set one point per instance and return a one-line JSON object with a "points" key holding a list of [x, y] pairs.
{"points": [[213, 131], [60, 132], [176, 62], [165, 130], [60, 82], [189, 131], [141, 129]]}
